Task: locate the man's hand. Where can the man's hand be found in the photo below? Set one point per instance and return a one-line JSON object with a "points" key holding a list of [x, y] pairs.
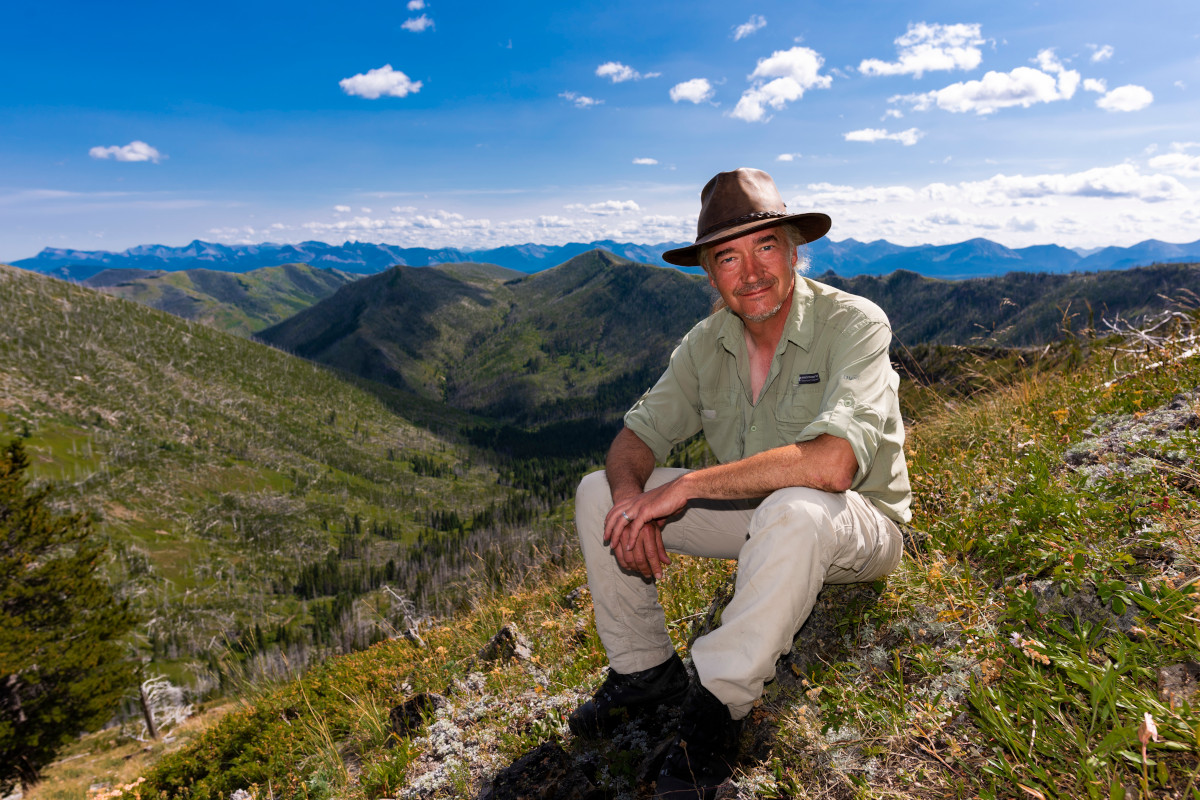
{"points": [[633, 528]]}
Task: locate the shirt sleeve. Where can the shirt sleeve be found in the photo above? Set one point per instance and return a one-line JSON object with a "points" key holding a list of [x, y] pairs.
{"points": [[862, 393], [670, 411]]}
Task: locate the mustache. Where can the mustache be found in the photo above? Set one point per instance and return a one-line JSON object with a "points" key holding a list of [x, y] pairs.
{"points": [[755, 287]]}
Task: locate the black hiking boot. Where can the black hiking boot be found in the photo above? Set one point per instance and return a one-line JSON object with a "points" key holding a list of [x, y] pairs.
{"points": [[622, 697], [703, 754]]}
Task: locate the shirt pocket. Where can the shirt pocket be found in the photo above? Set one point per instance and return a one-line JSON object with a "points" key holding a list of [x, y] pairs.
{"points": [[721, 418], [797, 408]]}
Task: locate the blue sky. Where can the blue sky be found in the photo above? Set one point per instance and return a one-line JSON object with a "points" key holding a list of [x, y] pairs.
{"points": [[474, 124]]}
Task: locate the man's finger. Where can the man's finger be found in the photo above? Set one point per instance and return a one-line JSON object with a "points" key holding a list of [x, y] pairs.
{"points": [[648, 551], [614, 524]]}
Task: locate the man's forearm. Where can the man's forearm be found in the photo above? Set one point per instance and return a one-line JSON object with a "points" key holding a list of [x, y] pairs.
{"points": [[628, 465], [825, 463]]}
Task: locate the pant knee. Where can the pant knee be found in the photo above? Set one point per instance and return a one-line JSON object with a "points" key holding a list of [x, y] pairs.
{"points": [[593, 499]]}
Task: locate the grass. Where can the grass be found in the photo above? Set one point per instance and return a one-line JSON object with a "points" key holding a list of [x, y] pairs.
{"points": [[1019, 651]]}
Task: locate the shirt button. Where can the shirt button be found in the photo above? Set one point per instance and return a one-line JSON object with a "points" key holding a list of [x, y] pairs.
{"points": [[753, 427]]}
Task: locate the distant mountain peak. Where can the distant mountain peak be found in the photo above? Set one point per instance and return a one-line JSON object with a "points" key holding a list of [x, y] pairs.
{"points": [[976, 257]]}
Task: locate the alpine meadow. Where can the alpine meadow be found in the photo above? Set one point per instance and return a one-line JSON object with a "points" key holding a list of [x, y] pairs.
{"points": [[361, 579]]}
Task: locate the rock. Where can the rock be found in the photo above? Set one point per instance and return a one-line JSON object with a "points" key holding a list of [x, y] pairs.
{"points": [[412, 713], [575, 597], [916, 542], [1083, 605], [821, 637], [1179, 682], [508, 643], [545, 773], [1109, 449]]}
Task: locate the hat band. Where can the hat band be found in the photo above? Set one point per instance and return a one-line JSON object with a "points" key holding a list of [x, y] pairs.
{"points": [[729, 223]]}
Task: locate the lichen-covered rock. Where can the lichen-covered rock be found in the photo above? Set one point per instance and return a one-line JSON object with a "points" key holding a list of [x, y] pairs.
{"points": [[545, 773], [1132, 443], [1179, 683], [1084, 605], [412, 713], [508, 643]]}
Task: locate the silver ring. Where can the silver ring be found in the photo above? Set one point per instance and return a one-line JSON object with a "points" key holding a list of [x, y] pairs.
{"points": [[627, 517]]}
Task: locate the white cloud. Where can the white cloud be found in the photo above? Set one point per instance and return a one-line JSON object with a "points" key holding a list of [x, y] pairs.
{"points": [[1126, 98], [697, 90], [787, 156], [619, 72], [1095, 85], [828, 193], [778, 80], [645, 162], [400, 209], [417, 24], [342, 209], [1104, 183], [416, 5], [1179, 85], [907, 138], [580, 100], [1048, 61], [1101, 52], [1024, 86], [928, 48], [756, 23], [134, 151], [1122, 180], [956, 216], [1178, 163], [379, 82], [607, 208]]}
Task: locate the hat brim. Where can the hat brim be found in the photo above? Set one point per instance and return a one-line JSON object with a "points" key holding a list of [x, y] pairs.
{"points": [[812, 226]]}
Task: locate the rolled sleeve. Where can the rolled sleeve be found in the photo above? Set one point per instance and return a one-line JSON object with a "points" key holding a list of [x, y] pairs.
{"points": [[861, 394], [670, 411]]}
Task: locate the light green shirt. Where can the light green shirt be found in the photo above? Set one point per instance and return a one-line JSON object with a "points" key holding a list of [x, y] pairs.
{"points": [[830, 374]]}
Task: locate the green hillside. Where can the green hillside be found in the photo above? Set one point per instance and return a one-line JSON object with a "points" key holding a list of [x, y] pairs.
{"points": [[251, 499], [580, 340], [1045, 612], [240, 303], [1020, 309]]}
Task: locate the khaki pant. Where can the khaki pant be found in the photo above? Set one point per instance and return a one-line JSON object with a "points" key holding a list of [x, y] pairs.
{"points": [[787, 546]]}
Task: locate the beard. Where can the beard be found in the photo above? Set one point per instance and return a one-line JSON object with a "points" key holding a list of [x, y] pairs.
{"points": [[761, 316]]}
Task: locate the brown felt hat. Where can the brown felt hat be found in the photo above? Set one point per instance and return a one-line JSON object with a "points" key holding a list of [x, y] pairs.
{"points": [[735, 203]]}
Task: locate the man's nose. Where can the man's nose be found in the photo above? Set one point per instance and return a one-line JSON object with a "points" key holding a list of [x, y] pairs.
{"points": [[753, 269]]}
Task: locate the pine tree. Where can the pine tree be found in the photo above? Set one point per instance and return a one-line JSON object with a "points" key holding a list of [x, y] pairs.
{"points": [[62, 665]]}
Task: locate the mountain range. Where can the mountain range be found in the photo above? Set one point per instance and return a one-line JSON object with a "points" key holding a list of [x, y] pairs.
{"points": [[583, 339], [849, 257]]}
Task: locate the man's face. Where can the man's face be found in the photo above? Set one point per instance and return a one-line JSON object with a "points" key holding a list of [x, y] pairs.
{"points": [[754, 273]]}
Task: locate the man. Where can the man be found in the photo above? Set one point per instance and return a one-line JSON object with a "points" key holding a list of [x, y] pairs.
{"points": [[792, 386]]}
